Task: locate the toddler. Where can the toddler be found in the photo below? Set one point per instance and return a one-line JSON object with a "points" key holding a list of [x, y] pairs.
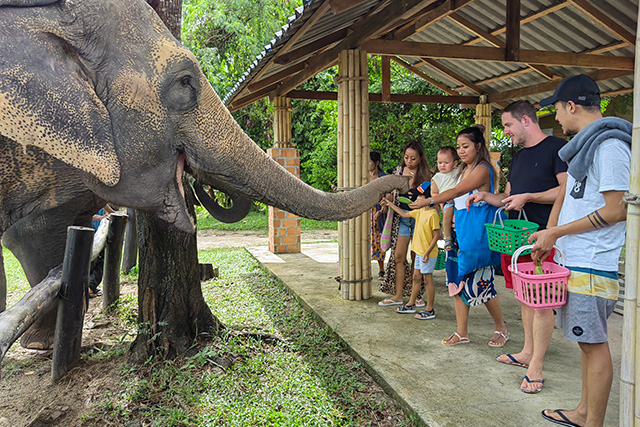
{"points": [[445, 179], [424, 245]]}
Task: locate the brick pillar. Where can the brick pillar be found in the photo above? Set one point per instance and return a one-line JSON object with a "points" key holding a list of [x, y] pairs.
{"points": [[284, 227]]}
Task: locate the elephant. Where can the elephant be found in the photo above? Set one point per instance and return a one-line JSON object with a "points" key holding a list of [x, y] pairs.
{"points": [[100, 103]]}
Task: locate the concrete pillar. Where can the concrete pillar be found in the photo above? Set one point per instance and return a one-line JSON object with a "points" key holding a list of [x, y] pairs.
{"points": [[284, 227]]}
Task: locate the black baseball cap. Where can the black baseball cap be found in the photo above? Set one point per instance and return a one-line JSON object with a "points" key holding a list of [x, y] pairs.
{"points": [[580, 89]]}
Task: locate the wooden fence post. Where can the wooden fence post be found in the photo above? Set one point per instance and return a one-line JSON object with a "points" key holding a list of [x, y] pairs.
{"points": [[71, 301], [112, 257], [130, 253]]}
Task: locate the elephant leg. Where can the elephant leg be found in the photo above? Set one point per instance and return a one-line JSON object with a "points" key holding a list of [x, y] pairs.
{"points": [[39, 245]]}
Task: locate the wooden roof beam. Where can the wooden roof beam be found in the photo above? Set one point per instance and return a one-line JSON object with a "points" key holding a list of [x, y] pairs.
{"points": [[312, 47], [473, 28], [240, 102], [339, 6], [442, 11], [530, 18], [386, 78], [424, 76], [275, 78], [395, 97], [607, 48], [492, 54], [550, 86], [369, 27], [512, 48], [453, 75], [605, 21]]}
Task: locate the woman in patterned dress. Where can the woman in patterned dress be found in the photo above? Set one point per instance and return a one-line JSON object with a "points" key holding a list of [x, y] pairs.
{"points": [[477, 287], [377, 220]]}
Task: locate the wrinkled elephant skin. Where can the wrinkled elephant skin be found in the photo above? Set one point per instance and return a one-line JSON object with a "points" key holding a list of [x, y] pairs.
{"points": [[99, 102]]}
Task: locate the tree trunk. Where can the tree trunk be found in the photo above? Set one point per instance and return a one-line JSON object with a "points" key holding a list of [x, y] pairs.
{"points": [[171, 308]]}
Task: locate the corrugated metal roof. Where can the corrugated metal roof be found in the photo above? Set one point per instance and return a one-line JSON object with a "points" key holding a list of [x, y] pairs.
{"points": [[559, 26]]}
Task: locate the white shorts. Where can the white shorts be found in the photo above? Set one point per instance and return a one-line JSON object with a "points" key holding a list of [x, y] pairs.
{"points": [[425, 267]]}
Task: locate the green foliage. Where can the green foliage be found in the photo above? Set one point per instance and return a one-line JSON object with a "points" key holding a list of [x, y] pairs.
{"points": [[227, 35]]}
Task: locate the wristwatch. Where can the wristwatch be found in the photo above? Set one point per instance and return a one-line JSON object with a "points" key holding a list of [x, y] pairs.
{"points": [[431, 203]]}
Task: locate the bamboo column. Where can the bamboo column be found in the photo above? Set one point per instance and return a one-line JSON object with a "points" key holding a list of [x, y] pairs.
{"points": [[629, 369], [282, 122], [354, 238], [483, 117]]}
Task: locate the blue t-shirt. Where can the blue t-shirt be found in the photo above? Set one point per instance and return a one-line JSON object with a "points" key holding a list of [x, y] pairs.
{"points": [[96, 224]]}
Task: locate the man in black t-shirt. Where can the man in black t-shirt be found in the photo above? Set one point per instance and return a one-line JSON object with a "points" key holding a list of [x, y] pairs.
{"points": [[535, 178]]}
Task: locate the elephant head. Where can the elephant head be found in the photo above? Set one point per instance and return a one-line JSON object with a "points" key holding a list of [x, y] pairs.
{"points": [[103, 87]]}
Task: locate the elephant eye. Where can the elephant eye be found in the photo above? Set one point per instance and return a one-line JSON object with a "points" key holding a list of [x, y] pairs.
{"points": [[186, 81]]}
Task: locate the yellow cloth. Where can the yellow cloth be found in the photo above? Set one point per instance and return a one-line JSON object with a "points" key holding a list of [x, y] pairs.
{"points": [[427, 221]]}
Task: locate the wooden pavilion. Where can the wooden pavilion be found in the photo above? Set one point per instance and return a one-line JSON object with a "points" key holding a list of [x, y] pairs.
{"points": [[486, 53]]}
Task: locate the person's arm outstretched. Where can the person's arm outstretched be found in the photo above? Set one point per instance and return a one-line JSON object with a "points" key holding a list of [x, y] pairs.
{"points": [[401, 212]]}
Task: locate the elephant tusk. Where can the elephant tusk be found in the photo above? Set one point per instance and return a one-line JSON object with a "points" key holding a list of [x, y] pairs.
{"points": [[179, 171]]}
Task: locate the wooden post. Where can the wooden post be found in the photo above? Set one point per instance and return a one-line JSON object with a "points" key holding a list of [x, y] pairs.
{"points": [[112, 257], [353, 160], [71, 305], [20, 316], [630, 363], [130, 253]]}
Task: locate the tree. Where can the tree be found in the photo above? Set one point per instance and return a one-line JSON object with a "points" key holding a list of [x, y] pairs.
{"points": [[172, 312]]}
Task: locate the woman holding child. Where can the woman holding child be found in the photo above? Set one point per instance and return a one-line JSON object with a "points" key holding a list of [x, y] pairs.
{"points": [[414, 165], [475, 287]]}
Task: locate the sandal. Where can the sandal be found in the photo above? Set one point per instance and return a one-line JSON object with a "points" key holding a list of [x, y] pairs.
{"points": [[406, 309], [532, 391], [388, 301], [460, 340], [381, 275], [420, 303], [425, 315], [495, 340]]}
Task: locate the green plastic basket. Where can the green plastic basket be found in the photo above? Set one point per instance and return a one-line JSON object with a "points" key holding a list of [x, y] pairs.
{"points": [[442, 258], [510, 234]]}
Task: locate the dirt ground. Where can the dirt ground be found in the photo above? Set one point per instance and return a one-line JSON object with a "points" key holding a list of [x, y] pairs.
{"points": [[27, 397]]}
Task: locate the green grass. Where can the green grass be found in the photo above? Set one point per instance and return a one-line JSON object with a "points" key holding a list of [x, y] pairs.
{"points": [[303, 377], [255, 221], [17, 283]]}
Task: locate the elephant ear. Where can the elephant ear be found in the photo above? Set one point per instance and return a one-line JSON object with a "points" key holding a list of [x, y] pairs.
{"points": [[47, 99]]}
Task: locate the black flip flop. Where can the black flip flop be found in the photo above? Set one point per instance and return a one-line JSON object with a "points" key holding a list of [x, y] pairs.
{"points": [[564, 422]]}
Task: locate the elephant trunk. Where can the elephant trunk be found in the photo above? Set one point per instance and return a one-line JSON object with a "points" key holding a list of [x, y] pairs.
{"points": [[229, 160]]}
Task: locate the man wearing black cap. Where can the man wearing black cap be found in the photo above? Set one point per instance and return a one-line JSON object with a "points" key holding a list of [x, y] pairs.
{"points": [[587, 223]]}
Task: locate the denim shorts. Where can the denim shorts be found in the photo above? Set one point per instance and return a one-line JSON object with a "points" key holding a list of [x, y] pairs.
{"points": [[425, 266], [406, 227]]}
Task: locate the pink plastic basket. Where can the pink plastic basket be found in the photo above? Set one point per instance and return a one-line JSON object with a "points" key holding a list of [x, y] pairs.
{"points": [[539, 291]]}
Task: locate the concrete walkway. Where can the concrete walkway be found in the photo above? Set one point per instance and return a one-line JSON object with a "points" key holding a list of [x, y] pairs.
{"points": [[443, 386]]}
